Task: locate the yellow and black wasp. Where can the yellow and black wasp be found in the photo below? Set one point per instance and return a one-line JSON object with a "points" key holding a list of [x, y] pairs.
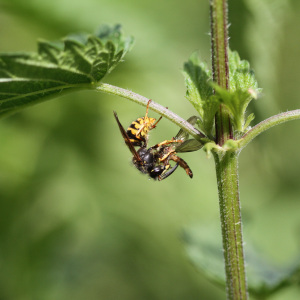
{"points": [[155, 161], [138, 130]]}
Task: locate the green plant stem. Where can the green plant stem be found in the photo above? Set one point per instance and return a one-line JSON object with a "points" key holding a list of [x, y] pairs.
{"points": [[266, 124], [230, 213], [219, 50], [227, 163], [164, 111]]}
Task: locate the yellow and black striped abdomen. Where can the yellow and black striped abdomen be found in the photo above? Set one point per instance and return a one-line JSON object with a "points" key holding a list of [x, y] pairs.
{"points": [[138, 131]]}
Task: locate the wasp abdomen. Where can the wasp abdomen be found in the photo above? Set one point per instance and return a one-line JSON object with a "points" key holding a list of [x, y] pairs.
{"points": [[138, 130]]}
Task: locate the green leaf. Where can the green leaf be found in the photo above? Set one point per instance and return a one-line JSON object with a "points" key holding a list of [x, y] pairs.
{"points": [[249, 119], [243, 89], [77, 61], [236, 102], [199, 92], [204, 247], [241, 77], [210, 107]]}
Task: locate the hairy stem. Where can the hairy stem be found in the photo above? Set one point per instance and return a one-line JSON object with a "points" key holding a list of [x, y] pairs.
{"points": [[219, 51], [227, 163], [165, 112], [266, 124], [230, 213]]}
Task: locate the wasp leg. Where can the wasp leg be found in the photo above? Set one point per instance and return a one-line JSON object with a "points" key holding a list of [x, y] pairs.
{"points": [[146, 120], [181, 163], [147, 108], [168, 173], [166, 142], [166, 157], [146, 115], [141, 129]]}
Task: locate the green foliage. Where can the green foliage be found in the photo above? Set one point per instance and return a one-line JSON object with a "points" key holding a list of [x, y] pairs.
{"points": [[243, 88], [47, 187], [78, 61], [203, 245], [200, 92]]}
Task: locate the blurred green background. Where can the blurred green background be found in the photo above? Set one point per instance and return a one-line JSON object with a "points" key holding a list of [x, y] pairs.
{"points": [[76, 220]]}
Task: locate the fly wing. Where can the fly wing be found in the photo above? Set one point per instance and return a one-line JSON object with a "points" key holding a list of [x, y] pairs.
{"points": [[127, 140]]}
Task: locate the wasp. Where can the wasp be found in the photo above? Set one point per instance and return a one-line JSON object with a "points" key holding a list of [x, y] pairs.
{"points": [[155, 161], [139, 129]]}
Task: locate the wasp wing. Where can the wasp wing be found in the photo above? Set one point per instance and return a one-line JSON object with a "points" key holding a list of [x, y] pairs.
{"points": [[187, 145], [127, 140], [182, 134]]}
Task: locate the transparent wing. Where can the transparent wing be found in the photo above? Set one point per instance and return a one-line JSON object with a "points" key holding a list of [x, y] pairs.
{"points": [[182, 134], [188, 145]]}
